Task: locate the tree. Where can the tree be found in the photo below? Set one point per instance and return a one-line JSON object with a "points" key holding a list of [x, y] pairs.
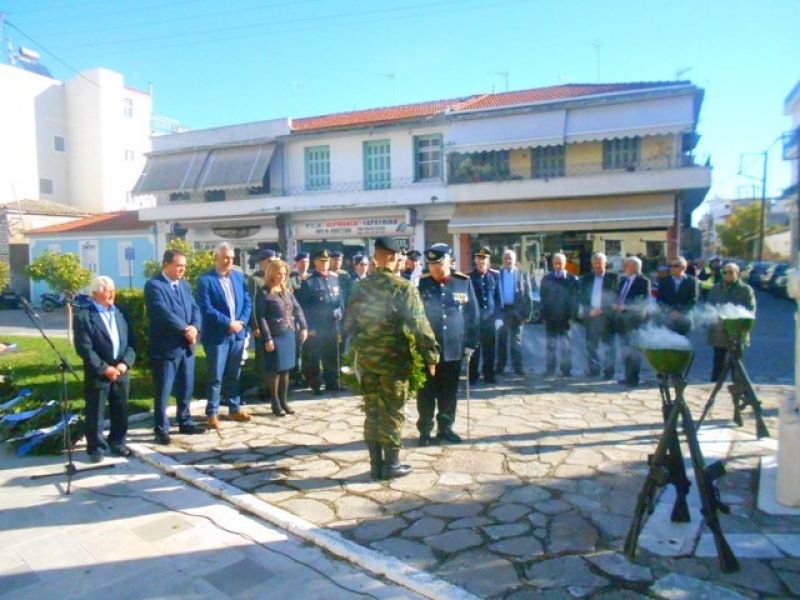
{"points": [[739, 234], [62, 273], [197, 261], [5, 274]]}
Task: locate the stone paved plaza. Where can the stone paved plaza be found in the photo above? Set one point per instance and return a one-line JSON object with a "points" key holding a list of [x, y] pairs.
{"points": [[536, 504]]}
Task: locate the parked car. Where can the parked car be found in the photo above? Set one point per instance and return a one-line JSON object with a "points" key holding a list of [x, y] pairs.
{"points": [[757, 271], [9, 298], [779, 281]]}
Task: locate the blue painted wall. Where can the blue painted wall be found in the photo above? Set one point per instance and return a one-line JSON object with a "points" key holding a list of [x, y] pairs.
{"points": [[108, 253]]}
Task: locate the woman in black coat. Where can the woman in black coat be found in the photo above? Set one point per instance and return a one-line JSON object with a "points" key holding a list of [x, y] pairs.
{"points": [[280, 318]]}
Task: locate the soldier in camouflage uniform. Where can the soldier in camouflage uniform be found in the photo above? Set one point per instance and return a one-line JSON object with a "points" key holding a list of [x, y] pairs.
{"points": [[384, 310], [254, 284]]}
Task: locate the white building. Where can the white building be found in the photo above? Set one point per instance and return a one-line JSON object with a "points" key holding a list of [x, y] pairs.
{"points": [[80, 142], [575, 167]]}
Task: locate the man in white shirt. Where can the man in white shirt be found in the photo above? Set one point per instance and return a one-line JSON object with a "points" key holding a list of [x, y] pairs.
{"points": [[598, 290], [517, 299]]}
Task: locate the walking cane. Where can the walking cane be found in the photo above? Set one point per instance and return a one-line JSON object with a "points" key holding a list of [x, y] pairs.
{"points": [[468, 357]]}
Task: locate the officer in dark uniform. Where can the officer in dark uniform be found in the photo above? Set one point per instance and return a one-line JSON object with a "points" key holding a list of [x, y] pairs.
{"points": [[452, 310], [320, 296], [345, 282], [413, 258], [486, 283]]}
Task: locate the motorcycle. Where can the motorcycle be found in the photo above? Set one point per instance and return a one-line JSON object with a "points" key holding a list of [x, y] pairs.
{"points": [[50, 301]]}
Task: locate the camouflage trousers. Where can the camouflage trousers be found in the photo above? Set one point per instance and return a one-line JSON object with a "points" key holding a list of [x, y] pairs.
{"points": [[384, 399]]}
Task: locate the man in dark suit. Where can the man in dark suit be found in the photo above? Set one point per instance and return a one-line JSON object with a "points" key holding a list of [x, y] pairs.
{"points": [[677, 297], [103, 342], [486, 283], [559, 309], [516, 294], [174, 327], [225, 309], [630, 311], [598, 291]]}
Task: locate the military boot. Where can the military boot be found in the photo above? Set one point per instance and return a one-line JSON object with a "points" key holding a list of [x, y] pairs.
{"points": [[391, 464], [375, 460]]}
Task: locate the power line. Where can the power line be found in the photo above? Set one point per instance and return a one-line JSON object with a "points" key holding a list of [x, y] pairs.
{"points": [[326, 18], [50, 53]]}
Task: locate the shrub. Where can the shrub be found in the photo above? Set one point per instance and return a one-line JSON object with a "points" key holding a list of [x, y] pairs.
{"points": [[131, 303]]}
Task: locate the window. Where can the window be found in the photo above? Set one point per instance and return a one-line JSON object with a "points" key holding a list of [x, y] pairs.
{"points": [[215, 196], [318, 168], [129, 155], [59, 144], [621, 153], [427, 157], [548, 161], [613, 248], [180, 197], [377, 165], [494, 165], [45, 186], [655, 250], [127, 108]]}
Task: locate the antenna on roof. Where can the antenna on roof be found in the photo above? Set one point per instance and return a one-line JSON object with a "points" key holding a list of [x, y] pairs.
{"points": [[679, 73], [596, 45], [504, 74]]}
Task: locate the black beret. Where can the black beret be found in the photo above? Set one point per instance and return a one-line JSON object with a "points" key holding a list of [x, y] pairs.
{"points": [[387, 243], [322, 254], [267, 254], [414, 254], [483, 252], [300, 256]]}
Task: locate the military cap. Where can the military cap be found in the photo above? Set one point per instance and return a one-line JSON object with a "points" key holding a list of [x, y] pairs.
{"points": [[322, 254], [483, 253], [714, 259], [387, 243], [300, 256], [437, 253], [266, 254], [336, 254], [414, 254], [360, 259]]}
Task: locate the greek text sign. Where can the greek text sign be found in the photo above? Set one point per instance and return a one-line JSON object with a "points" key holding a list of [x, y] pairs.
{"points": [[353, 227]]}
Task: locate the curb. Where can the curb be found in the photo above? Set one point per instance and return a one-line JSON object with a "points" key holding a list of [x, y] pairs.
{"points": [[372, 561]]}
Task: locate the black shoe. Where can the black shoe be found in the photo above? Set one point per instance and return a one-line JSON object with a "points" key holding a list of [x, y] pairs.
{"points": [[375, 460], [191, 429], [162, 437], [96, 456], [628, 383], [276, 409], [391, 464], [120, 450], [448, 435], [519, 371], [608, 375], [490, 380], [425, 440], [549, 373], [592, 373]]}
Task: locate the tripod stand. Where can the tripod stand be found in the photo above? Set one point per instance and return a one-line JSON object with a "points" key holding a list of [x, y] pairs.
{"points": [[666, 466], [741, 390], [70, 470]]}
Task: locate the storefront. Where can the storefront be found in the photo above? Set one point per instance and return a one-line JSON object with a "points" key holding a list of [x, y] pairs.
{"points": [[351, 233], [247, 237]]}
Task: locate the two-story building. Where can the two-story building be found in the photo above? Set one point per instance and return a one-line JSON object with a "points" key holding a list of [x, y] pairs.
{"points": [[577, 168]]}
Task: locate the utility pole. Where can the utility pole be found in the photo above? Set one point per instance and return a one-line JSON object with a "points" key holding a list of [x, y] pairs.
{"points": [[763, 180]]}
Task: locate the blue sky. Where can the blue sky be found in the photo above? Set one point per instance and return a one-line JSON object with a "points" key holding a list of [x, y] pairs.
{"points": [[214, 63]]}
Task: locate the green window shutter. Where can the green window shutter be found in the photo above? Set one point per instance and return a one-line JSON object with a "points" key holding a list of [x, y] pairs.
{"points": [[318, 167], [377, 165]]}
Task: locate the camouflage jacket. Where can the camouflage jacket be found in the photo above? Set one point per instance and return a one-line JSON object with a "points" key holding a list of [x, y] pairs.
{"points": [[383, 313]]}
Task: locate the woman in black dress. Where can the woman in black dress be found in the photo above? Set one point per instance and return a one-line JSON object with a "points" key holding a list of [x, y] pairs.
{"points": [[282, 326]]}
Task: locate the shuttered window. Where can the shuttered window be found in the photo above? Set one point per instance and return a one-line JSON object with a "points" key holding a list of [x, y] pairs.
{"points": [[318, 168], [377, 165]]}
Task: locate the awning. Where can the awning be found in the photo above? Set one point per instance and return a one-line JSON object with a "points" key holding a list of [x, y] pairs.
{"points": [[570, 214], [235, 167], [652, 117], [507, 133], [170, 172]]}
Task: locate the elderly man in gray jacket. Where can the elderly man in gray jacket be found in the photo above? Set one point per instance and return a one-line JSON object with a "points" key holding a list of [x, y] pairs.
{"points": [[731, 290], [517, 299]]}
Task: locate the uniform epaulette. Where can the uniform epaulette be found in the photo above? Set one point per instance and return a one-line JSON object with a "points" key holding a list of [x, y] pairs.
{"points": [[494, 270], [459, 275], [425, 276]]}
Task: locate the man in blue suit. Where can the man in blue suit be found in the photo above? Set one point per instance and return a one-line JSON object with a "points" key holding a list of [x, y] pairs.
{"points": [[225, 308], [174, 327], [103, 342]]}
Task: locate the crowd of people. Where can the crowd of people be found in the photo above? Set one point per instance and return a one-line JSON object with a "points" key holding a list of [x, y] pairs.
{"points": [[305, 320]]}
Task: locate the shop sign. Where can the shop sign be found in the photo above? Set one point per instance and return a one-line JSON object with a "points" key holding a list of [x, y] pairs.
{"points": [[353, 227]]}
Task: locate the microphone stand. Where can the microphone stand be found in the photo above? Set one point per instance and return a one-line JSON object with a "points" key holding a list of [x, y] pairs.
{"points": [[63, 366]]}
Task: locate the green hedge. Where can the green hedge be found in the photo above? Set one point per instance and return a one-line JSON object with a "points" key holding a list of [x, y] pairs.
{"points": [[131, 303]]}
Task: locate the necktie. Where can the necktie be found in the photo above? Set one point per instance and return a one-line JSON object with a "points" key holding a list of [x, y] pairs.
{"points": [[624, 293]]}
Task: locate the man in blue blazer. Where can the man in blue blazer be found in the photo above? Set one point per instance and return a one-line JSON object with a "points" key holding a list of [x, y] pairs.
{"points": [[225, 309], [174, 328], [103, 342]]}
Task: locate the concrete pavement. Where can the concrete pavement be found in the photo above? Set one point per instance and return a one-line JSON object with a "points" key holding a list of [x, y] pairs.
{"points": [[133, 532]]}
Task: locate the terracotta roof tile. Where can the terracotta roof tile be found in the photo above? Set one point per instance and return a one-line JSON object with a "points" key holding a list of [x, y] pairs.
{"points": [[377, 116], [105, 222]]}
